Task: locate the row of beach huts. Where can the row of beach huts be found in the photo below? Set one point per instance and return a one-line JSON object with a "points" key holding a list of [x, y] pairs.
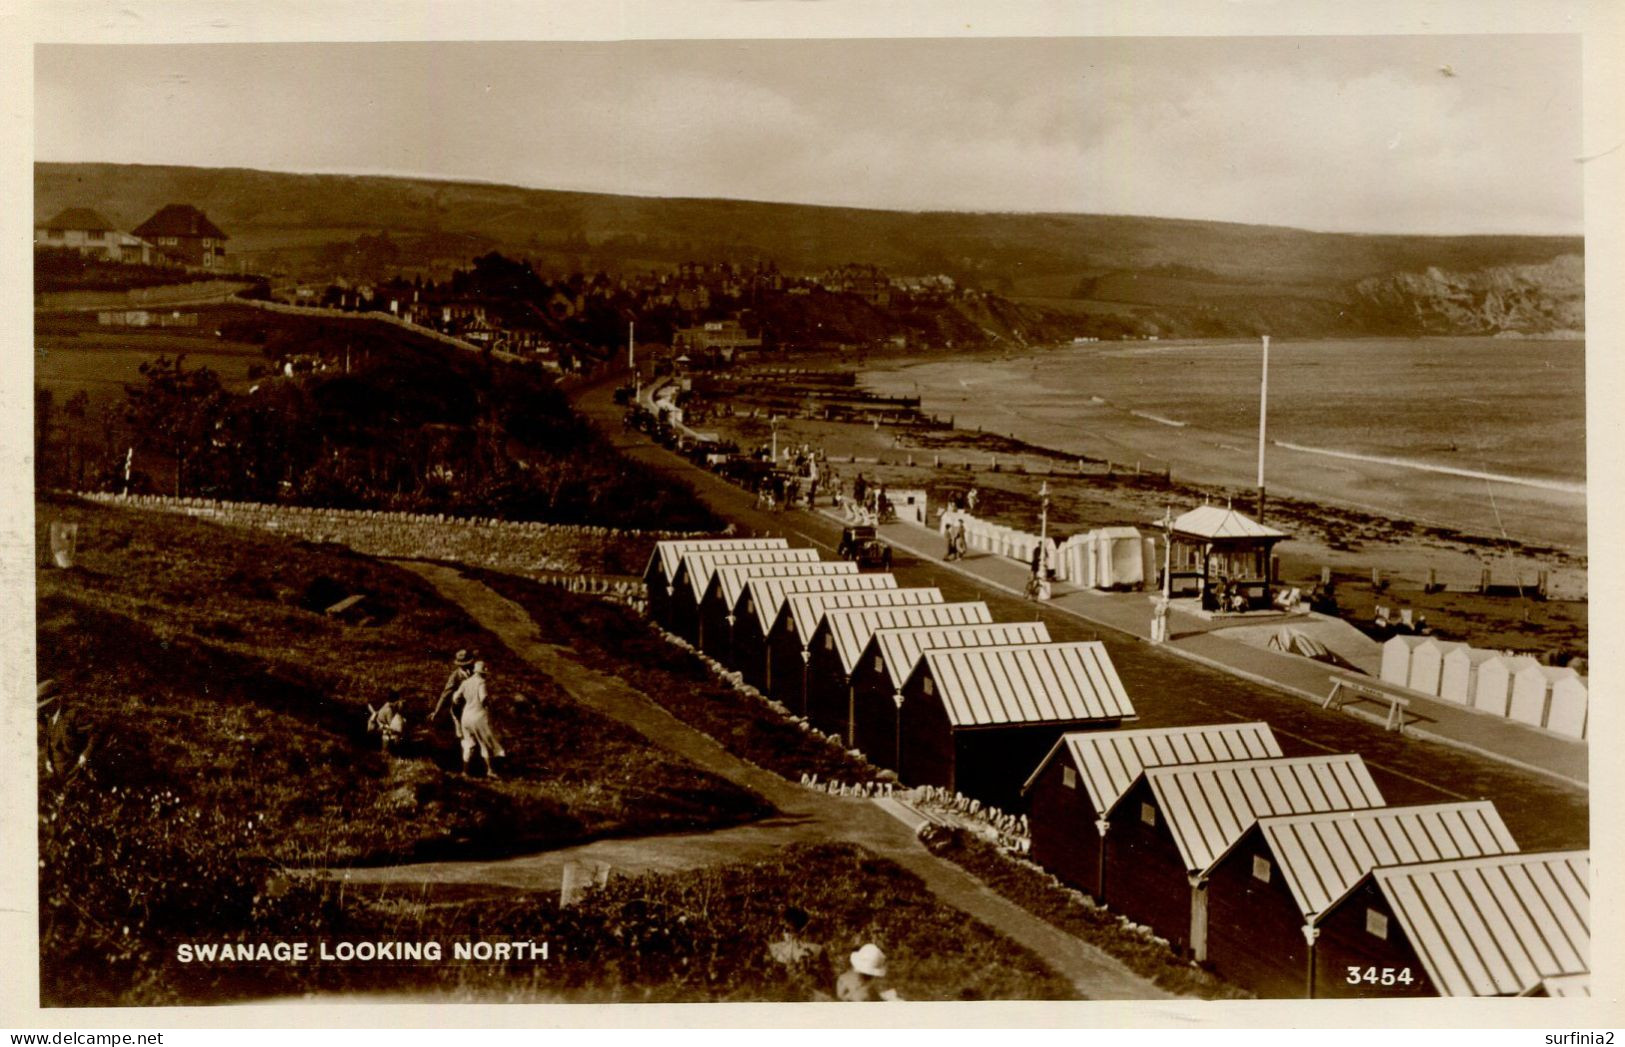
{"points": [[1509, 685], [1290, 876]]}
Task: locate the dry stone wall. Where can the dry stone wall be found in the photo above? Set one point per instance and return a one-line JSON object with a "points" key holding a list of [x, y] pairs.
{"points": [[567, 553]]}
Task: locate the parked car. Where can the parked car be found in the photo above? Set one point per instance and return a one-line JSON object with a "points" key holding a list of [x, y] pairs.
{"points": [[861, 545]]}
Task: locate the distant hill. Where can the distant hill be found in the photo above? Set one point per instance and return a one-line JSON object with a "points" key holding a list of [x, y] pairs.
{"points": [[1161, 276]]}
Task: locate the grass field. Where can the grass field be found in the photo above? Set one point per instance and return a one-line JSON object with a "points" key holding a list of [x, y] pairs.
{"points": [[222, 715]]}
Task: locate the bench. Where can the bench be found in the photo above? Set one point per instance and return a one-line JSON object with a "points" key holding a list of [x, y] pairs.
{"points": [[1346, 692]]}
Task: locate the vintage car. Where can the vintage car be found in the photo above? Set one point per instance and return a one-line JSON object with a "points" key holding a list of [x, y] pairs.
{"points": [[861, 545]]}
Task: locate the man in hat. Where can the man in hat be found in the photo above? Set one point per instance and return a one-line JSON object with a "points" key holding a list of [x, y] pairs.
{"points": [[477, 731], [861, 984], [459, 673]]}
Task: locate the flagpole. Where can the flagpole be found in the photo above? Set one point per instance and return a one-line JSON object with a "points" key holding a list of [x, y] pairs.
{"points": [[1263, 411]]}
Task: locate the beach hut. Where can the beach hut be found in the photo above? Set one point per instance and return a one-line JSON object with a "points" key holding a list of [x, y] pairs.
{"points": [[694, 576], [789, 638], [668, 556], [1492, 691], [1531, 687], [1427, 663], [1265, 893], [1458, 677], [1087, 772], [1576, 985], [1214, 543], [759, 604], [908, 503], [1120, 558], [1396, 659], [972, 714], [1490, 926], [839, 640], [716, 612], [883, 667], [1567, 712], [1175, 822]]}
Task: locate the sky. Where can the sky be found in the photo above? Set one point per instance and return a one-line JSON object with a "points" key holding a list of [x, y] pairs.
{"points": [[1408, 134]]}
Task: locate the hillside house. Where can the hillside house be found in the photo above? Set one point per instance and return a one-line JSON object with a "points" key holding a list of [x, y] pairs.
{"points": [[86, 231], [1085, 775], [184, 234]]}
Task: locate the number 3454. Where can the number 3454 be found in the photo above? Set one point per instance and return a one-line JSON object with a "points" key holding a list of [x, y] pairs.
{"points": [[1380, 976]]}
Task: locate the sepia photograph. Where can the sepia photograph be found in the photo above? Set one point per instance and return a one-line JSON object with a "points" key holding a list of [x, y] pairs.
{"points": [[1043, 511]]}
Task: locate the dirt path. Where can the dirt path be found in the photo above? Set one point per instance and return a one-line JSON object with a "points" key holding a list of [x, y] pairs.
{"points": [[804, 815]]}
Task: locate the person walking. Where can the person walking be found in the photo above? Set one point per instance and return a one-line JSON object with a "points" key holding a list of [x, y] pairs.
{"points": [[477, 731], [459, 672]]}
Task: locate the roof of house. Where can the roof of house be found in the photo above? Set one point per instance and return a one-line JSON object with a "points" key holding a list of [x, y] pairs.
{"points": [[807, 609], [1110, 762], [853, 627], [1322, 856], [1208, 806], [1494, 926], [669, 554], [697, 567], [1027, 683], [1212, 521], [731, 578], [179, 220], [1567, 985], [79, 218], [900, 646], [767, 595]]}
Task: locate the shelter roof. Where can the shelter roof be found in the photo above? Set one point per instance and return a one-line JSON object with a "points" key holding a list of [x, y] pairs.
{"points": [[1218, 522], [731, 578], [808, 609], [853, 627], [767, 595], [1208, 806], [1321, 856], [669, 554], [697, 567], [1110, 762], [901, 646], [1494, 926], [1027, 683]]}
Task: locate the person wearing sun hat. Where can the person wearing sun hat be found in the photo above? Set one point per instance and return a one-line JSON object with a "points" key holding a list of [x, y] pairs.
{"points": [[861, 983], [477, 730], [460, 666]]}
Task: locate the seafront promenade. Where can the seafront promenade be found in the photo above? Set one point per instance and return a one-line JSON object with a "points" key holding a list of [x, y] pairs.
{"points": [[1206, 642]]}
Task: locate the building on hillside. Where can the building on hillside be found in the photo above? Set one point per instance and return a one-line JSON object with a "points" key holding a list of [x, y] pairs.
{"points": [[667, 557], [888, 661], [842, 636], [974, 717], [717, 339], [184, 234], [1085, 775], [1175, 822], [694, 574], [717, 606], [757, 612], [789, 639], [868, 282], [1494, 926], [1265, 895], [86, 231]]}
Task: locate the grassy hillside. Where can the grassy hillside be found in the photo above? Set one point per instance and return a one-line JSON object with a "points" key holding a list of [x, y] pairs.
{"points": [[1277, 275], [221, 716]]}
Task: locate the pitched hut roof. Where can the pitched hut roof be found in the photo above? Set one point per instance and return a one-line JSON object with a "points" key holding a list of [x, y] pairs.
{"points": [[767, 595], [1110, 762], [698, 567], [808, 609], [669, 555], [901, 646], [1027, 683], [1494, 926], [1208, 806], [1321, 856], [853, 627], [731, 578]]}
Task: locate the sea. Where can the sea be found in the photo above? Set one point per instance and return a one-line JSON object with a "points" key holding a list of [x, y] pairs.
{"points": [[1485, 435]]}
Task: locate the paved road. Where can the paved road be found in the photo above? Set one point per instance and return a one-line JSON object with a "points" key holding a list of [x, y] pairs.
{"points": [[803, 813], [1168, 690]]}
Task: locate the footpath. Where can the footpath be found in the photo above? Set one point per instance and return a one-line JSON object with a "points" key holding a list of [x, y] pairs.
{"points": [[804, 814], [1202, 641]]}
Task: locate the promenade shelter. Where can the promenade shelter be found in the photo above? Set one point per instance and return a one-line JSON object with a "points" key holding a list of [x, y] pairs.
{"points": [[1213, 543]]}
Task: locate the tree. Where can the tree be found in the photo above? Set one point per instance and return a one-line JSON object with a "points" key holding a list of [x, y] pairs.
{"points": [[175, 411]]}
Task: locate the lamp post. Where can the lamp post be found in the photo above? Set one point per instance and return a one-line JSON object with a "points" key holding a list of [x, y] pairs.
{"points": [[1263, 406], [774, 424]]}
